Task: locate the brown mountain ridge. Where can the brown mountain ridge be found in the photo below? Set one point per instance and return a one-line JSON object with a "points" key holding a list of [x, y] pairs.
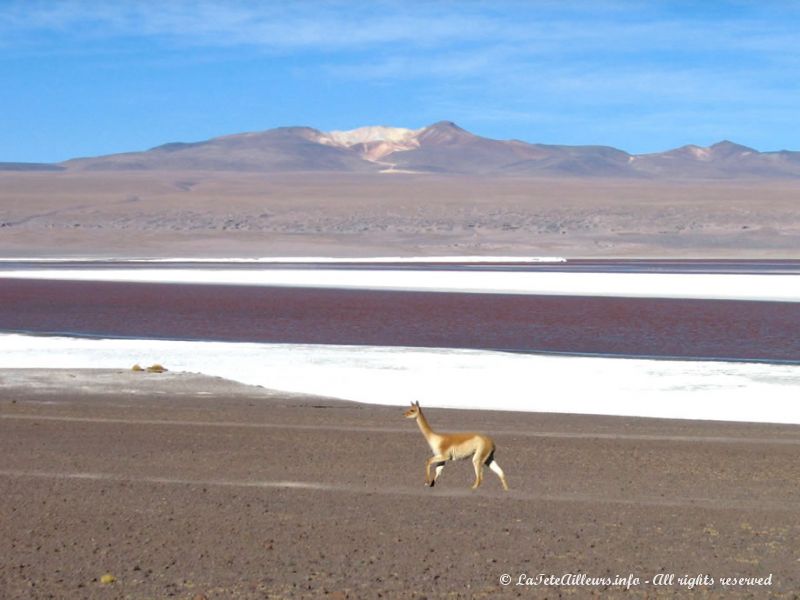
{"points": [[443, 147]]}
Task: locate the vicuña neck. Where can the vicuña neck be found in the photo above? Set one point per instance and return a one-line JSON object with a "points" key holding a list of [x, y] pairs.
{"points": [[424, 427]]}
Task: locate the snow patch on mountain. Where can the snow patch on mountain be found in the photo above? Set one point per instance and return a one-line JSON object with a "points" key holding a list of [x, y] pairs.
{"points": [[699, 152], [373, 133], [373, 142]]}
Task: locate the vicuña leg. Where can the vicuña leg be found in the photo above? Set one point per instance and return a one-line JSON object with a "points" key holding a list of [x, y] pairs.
{"points": [[477, 462], [496, 468], [438, 471], [428, 464]]}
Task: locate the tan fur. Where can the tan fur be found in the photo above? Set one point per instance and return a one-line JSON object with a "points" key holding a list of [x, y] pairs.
{"points": [[456, 446]]}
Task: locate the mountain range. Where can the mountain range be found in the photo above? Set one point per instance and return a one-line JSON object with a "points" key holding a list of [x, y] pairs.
{"points": [[443, 147]]}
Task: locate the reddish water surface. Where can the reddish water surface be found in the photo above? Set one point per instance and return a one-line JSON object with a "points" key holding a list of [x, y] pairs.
{"points": [[624, 326]]}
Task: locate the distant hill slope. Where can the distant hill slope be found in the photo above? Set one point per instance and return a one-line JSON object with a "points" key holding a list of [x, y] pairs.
{"points": [[443, 147], [286, 149], [23, 166]]}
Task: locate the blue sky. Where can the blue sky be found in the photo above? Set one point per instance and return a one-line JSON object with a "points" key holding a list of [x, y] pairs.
{"points": [[94, 77]]}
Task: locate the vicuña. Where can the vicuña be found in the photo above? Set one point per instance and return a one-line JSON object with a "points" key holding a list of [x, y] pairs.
{"points": [[456, 446]]}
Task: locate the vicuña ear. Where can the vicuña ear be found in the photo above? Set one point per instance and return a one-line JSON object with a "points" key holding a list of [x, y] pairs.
{"points": [[417, 403]]}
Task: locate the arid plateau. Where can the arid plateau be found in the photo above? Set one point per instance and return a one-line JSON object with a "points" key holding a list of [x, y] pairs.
{"points": [[222, 214], [387, 191]]}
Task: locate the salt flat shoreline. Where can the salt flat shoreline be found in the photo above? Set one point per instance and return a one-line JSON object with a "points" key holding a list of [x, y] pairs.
{"points": [[146, 394], [451, 378], [184, 484], [300, 260], [368, 336], [773, 288]]}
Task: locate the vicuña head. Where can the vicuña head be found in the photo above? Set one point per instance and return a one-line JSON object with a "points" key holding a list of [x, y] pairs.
{"points": [[412, 412], [455, 446]]}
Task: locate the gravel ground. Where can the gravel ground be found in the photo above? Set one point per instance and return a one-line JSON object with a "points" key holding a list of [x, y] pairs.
{"points": [[184, 486]]}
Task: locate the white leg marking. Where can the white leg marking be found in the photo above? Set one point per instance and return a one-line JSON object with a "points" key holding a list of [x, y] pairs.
{"points": [[496, 468]]}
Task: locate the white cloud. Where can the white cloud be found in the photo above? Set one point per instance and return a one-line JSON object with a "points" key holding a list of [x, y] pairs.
{"points": [[612, 26], [271, 25]]}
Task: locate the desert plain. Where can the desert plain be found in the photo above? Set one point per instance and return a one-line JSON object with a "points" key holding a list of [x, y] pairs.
{"points": [[219, 214], [186, 486]]}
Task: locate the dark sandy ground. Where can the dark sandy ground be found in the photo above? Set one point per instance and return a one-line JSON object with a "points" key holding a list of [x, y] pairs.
{"points": [[185, 486]]}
